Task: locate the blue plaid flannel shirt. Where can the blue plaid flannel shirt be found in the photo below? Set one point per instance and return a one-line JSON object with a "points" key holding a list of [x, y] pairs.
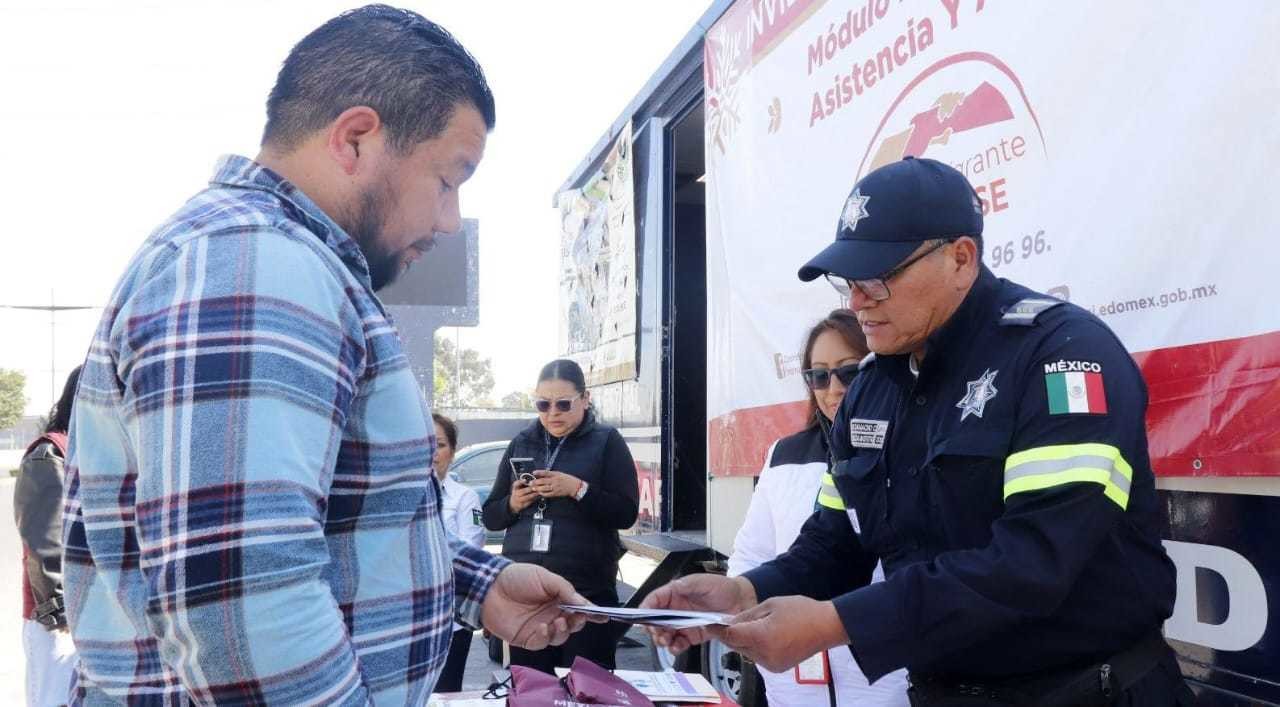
{"points": [[251, 516]]}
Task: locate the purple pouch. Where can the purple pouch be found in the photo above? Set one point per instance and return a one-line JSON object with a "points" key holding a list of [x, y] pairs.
{"points": [[534, 688], [591, 684], [586, 684]]}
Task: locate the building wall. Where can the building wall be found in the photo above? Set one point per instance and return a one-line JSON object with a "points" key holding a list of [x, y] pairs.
{"points": [[482, 425]]}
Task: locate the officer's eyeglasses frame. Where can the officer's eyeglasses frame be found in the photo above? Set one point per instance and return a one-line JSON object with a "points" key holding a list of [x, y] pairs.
{"points": [[877, 288], [543, 405], [820, 378]]}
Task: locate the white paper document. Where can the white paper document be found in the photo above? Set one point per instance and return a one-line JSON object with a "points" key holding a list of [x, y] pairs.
{"points": [[446, 701], [666, 618]]}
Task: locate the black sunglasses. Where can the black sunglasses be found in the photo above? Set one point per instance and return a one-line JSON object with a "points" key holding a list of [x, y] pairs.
{"points": [[562, 405], [820, 378]]}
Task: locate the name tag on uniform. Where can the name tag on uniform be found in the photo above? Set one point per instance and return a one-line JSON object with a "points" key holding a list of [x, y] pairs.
{"points": [[868, 434]]}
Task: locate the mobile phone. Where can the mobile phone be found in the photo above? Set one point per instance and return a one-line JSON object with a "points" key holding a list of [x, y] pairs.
{"points": [[522, 469]]}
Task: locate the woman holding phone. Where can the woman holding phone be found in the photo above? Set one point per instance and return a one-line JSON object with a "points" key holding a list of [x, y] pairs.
{"points": [[566, 486]]}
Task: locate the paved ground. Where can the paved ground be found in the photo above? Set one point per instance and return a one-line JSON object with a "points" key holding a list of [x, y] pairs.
{"points": [[12, 665]]}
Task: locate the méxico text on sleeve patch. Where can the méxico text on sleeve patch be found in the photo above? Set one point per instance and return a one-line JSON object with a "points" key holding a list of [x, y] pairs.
{"points": [[1075, 387]]}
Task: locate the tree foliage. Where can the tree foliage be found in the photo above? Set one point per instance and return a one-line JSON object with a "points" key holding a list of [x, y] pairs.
{"points": [[517, 400], [13, 399], [461, 381]]}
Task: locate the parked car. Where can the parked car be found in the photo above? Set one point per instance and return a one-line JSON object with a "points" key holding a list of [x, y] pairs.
{"points": [[476, 466]]}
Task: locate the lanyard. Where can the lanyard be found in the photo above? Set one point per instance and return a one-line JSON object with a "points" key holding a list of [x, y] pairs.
{"points": [[551, 460], [552, 454]]}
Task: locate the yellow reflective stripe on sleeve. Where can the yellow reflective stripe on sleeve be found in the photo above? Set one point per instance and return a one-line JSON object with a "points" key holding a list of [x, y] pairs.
{"points": [[828, 496], [1047, 467]]}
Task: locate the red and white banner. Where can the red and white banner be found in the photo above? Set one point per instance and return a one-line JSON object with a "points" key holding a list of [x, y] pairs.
{"points": [[1124, 152]]}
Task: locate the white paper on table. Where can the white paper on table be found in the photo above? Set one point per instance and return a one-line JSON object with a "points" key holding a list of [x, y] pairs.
{"points": [[437, 701], [666, 686], [666, 618]]}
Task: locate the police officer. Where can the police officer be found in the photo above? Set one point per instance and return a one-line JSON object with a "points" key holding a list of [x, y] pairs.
{"points": [[993, 455]]}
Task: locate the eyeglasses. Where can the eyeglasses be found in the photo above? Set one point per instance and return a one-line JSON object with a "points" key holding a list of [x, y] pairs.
{"points": [[877, 288], [820, 378], [562, 405]]}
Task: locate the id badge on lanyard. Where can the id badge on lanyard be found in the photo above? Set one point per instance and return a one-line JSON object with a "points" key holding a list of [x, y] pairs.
{"points": [[540, 540], [814, 670], [540, 534]]}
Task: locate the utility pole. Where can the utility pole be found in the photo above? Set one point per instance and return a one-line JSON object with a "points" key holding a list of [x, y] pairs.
{"points": [[52, 308]]}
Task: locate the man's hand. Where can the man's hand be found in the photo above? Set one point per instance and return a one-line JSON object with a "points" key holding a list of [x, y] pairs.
{"points": [[780, 632], [522, 496], [523, 607], [555, 484], [699, 592]]}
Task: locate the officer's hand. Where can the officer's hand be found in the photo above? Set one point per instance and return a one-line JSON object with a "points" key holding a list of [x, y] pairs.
{"points": [[699, 592], [781, 632]]}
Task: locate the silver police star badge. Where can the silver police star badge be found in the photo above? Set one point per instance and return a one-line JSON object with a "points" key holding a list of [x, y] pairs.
{"points": [[980, 391], [855, 209]]}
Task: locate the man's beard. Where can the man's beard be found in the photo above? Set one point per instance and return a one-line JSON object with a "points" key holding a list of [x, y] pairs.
{"points": [[364, 228]]}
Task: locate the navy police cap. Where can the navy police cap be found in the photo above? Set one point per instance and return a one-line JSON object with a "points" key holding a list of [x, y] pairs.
{"points": [[890, 212]]}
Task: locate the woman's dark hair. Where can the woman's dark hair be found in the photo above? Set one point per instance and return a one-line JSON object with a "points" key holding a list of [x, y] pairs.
{"points": [[60, 413], [397, 62], [562, 369], [843, 322], [450, 429]]}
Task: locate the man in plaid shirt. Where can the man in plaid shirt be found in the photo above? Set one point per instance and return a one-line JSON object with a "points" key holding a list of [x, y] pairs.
{"points": [[251, 516]]}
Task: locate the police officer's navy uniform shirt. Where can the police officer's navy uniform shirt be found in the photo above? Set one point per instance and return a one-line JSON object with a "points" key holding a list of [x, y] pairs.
{"points": [[1008, 491]]}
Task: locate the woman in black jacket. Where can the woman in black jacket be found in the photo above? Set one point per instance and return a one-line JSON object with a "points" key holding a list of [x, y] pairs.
{"points": [[37, 508], [567, 514]]}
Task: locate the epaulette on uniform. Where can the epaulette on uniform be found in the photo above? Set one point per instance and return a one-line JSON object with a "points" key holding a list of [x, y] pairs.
{"points": [[1025, 311]]}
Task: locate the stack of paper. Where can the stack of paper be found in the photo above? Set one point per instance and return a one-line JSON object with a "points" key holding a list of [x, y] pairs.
{"points": [[439, 700], [666, 618], [668, 686]]}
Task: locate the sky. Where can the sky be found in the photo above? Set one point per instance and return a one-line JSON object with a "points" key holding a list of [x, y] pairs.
{"points": [[115, 113]]}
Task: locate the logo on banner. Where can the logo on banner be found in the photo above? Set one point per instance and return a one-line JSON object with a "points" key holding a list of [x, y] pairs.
{"points": [[971, 111], [786, 365], [952, 113], [744, 35]]}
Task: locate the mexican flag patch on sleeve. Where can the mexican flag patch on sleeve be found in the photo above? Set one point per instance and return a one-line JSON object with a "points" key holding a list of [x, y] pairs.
{"points": [[1076, 392]]}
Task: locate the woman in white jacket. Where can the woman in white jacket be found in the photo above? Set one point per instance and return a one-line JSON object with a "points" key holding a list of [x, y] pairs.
{"points": [[460, 510], [786, 495]]}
